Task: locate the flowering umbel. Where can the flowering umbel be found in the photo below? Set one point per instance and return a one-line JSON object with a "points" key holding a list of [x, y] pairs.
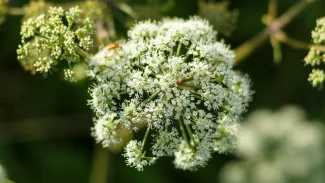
{"points": [[177, 80], [316, 55], [58, 37]]}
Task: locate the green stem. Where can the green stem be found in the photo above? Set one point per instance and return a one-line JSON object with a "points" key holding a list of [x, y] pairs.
{"points": [[217, 79], [186, 88], [82, 52], [273, 9], [123, 93], [179, 48], [192, 85], [277, 52], [100, 165], [187, 56], [295, 10], [142, 68], [189, 130], [150, 98], [16, 11], [196, 94], [171, 52], [183, 130], [284, 38], [145, 138]]}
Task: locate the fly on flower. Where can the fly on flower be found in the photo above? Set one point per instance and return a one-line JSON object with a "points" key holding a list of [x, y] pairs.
{"points": [[179, 82], [113, 46]]}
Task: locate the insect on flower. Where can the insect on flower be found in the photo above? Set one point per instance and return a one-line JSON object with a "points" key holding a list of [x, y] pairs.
{"points": [[179, 82], [113, 46]]}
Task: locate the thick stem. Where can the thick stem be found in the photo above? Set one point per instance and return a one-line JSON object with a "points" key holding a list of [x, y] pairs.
{"points": [[284, 38], [277, 52], [273, 8], [272, 13], [100, 165]]}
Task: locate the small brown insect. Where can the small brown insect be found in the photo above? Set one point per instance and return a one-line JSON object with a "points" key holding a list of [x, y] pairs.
{"points": [[179, 82], [113, 46]]}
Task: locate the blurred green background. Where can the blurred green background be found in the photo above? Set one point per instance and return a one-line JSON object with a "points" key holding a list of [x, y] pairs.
{"points": [[45, 122]]}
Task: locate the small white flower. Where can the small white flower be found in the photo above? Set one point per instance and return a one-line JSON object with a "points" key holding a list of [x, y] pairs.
{"points": [[188, 158], [104, 130], [135, 157]]}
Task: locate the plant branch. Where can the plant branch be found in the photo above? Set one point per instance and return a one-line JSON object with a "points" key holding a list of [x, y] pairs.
{"points": [[284, 38], [16, 11], [100, 165], [82, 52], [249, 46], [145, 138], [273, 8]]}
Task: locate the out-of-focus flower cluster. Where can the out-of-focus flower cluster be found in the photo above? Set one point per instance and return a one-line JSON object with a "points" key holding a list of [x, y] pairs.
{"points": [[281, 147], [3, 10], [316, 55], [2, 175], [58, 37], [176, 79]]}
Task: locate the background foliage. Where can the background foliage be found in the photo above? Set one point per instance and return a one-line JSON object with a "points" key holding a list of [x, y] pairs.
{"points": [[45, 122]]}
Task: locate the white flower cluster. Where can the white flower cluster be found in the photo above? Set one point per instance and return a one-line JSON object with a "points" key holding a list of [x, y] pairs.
{"points": [[136, 157], [58, 36], [281, 147], [174, 77], [316, 55]]}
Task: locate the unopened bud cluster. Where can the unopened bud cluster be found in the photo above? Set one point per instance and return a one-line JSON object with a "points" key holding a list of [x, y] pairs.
{"points": [[316, 55], [58, 37]]}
